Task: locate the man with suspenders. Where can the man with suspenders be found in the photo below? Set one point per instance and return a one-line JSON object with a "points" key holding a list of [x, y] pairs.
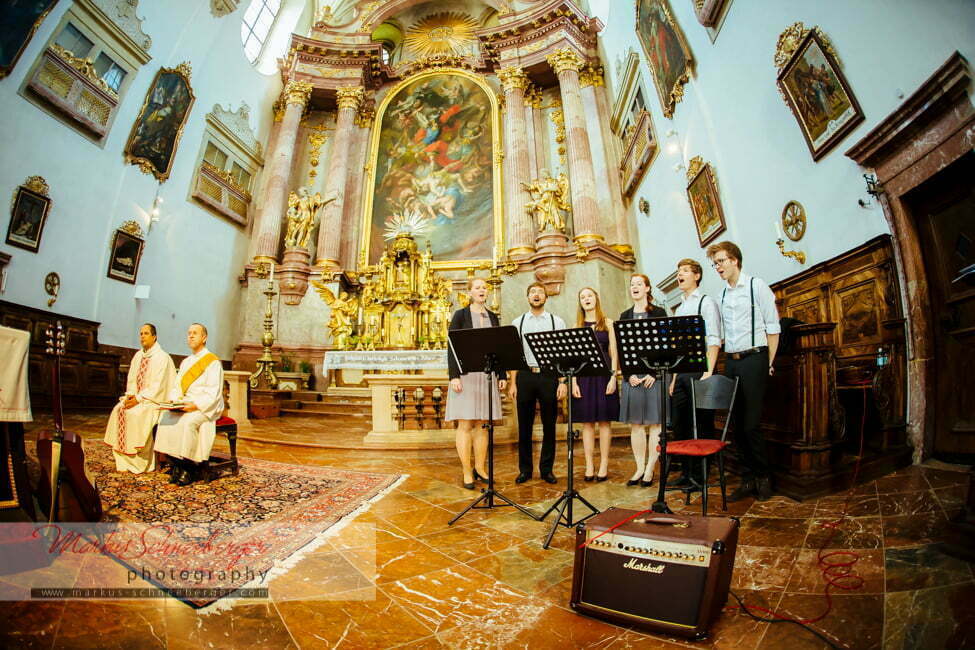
{"points": [[536, 386], [751, 336], [694, 303]]}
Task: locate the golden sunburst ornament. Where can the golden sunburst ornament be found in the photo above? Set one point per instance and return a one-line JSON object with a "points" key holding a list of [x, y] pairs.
{"points": [[442, 33]]}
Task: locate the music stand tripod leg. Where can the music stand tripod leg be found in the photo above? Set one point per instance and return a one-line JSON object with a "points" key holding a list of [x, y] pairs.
{"points": [[660, 505]]}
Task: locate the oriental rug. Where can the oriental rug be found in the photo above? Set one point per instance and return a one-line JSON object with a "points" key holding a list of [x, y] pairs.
{"points": [[210, 539]]}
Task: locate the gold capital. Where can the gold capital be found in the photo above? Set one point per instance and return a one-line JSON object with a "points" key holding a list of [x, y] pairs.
{"points": [[591, 76], [565, 59], [297, 92], [512, 78], [349, 96]]}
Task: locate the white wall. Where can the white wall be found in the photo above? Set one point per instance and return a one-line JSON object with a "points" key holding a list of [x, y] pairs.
{"points": [[192, 257], [733, 116]]}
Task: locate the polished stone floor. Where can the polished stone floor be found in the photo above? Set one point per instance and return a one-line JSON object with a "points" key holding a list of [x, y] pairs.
{"points": [[398, 576]]}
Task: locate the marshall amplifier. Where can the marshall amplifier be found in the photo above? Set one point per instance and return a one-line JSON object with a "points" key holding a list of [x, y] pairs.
{"points": [[662, 573]]}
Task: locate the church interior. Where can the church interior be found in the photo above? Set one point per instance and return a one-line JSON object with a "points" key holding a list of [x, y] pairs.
{"points": [[266, 445]]}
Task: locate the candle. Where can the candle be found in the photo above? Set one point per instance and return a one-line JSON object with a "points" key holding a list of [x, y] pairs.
{"points": [[778, 229], [271, 277]]}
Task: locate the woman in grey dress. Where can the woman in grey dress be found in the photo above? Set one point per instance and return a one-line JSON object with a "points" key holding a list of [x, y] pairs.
{"points": [[467, 399], [640, 400]]}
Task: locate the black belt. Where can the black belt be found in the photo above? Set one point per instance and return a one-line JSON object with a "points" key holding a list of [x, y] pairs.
{"points": [[744, 353]]}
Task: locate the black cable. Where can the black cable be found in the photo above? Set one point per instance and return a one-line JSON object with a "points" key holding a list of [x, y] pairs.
{"points": [[745, 609]]}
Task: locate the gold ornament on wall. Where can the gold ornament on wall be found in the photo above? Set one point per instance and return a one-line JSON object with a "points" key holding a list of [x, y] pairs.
{"points": [[52, 286], [442, 33], [303, 207], [794, 220], [550, 197]]}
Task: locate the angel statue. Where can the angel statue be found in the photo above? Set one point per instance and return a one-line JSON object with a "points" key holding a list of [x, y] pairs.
{"points": [[550, 196], [343, 315], [302, 209]]}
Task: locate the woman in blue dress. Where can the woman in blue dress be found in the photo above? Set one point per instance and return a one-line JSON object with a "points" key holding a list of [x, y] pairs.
{"points": [[595, 401]]}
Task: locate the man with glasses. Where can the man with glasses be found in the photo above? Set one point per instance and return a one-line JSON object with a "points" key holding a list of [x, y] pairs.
{"points": [[751, 336]]}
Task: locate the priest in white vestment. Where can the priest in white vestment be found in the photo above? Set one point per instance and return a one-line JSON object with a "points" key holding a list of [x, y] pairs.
{"points": [[186, 433], [129, 431]]}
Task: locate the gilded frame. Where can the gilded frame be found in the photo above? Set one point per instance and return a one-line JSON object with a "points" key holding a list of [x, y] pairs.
{"points": [[669, 97], [21, 197], [369, 187], [704, 188], [134, 157], [115, 271], [853, 115], [5, 70]]}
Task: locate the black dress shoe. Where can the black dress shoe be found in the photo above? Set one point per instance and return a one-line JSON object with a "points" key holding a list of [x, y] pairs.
{"points": [[550, 478], [600, 479], [185, 478], [745, 490], [174, 476], [588, 479], [633, 481], [469, 486], [646, 483], [522, 477], [478, 477]]}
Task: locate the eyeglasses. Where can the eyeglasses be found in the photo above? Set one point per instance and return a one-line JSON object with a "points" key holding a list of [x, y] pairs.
{"points": [[721, 262]]}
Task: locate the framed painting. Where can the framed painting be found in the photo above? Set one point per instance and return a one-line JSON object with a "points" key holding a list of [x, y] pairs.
{"points": [[666, 49], [18, 22], [702, 193], [817, 92], [123, 264], [28, 215], [433, 169], [159, 125]]}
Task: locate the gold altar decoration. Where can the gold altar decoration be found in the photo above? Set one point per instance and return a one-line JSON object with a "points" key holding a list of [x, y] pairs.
{"points": [[296, 92], [550, 197], [442, 33], [302, 209]]}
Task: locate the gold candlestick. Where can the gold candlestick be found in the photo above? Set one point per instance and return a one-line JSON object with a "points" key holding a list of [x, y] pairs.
{"points": [[798, 256], [265, 364]]}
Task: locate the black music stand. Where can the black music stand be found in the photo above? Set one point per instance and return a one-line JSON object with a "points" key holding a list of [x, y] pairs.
{"points": [[492, 350], [570, 353], [661, 345]]}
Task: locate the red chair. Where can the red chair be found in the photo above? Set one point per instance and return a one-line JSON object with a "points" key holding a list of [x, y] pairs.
{"points": [[219, 461], [715, 393]]}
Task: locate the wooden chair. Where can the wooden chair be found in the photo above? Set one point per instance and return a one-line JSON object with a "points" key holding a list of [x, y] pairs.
{"points": [[219, 461], [716, 393]]}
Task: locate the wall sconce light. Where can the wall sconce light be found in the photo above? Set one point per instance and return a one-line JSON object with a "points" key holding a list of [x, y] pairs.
{"points": [[644, 206], [673, 144], [874, 188], [154, 213]]}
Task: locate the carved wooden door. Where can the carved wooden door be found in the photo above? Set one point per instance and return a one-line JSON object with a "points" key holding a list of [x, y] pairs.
{"points": [[944, 209]]}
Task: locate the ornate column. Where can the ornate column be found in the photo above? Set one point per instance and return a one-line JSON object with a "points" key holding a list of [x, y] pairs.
{"points": [[520, 227], [329, 231], [582, 178], [295, 96]]}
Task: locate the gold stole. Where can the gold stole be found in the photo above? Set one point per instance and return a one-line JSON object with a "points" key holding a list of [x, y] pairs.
{"points": [[196, 370]]}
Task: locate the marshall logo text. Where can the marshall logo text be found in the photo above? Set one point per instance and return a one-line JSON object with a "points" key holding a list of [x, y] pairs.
{"points": [[643, 566]]}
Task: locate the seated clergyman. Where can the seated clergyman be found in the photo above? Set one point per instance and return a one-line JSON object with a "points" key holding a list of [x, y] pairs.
{"points": [[129, 430], [187, 431]]}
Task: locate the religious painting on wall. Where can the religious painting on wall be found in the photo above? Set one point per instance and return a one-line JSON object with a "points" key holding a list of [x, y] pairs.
{"points": [[18, 22], [815, 89], [702, 193], [126, 253], [156, 132], [30, 207], [667, 52], [434, 170]]}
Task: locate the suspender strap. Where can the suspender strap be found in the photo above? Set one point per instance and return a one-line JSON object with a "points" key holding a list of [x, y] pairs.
{"points": [[753, 311], [700, 304]]}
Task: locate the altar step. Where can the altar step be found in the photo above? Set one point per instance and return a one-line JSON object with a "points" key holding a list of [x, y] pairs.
{"points": [[343, 407]]}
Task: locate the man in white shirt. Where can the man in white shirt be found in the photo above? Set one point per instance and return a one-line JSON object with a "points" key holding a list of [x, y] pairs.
{"points": [[186, 433], [536, 386], [751, 336], [129, 430], [694, 303]]}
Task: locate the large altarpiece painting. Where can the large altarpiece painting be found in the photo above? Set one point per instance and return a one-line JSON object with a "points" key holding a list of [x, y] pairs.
{"points": [[434, 171]]}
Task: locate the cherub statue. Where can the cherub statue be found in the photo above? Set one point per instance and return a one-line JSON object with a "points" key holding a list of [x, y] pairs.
{"points": [[302, 209], [343, 315], [550, 196]]}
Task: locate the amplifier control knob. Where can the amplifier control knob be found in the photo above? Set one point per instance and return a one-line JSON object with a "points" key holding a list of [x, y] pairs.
{"points": [[700, 558]]}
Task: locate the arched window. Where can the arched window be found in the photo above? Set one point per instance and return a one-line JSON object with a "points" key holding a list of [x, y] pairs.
{"points": [[256, 25]]}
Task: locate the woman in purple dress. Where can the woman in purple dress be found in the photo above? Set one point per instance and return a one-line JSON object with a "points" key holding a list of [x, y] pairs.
{"points": [[595, 400]]}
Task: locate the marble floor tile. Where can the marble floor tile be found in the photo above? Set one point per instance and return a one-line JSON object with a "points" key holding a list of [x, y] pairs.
{"points": [[857, 505], [321, 575], [852, 532], [757, 531], [854, 622], [391, 561], [908, 479], [911, 530], [908, 503], [951, 498], [421, 521], [527, 567], [255, 625], [29, 624], [759, 568], [938, 478], [921, 567], [470, 542], [125, 624], [782, 507], [941, 617]]}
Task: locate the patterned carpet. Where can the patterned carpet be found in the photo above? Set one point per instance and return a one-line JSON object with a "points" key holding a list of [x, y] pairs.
{"points": [[216, 537]]}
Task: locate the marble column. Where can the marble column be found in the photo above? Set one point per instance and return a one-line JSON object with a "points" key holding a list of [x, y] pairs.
{"points": [[330, 229], [295, 96], [582, 179], [519, 235]]}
